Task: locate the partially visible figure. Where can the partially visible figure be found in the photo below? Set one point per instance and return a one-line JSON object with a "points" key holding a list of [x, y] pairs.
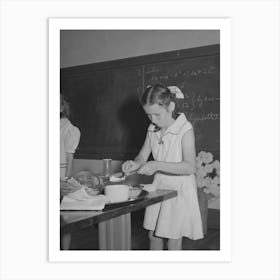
{"points": [[69, 139]]}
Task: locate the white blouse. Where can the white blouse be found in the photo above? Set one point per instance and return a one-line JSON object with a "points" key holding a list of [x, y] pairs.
{"points": [[69, 141]]}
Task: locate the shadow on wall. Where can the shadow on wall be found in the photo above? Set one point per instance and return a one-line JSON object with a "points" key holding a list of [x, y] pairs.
{"points": [[134, 122]]}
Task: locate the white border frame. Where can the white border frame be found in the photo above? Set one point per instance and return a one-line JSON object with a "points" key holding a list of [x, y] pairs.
{"points": [[222, 24]]}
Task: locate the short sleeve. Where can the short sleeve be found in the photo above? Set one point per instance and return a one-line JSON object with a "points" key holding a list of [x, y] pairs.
{"points": [[72, 139], [187, 126]]}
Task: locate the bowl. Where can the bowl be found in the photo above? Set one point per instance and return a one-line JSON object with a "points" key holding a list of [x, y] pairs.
{"points": [[117, 193], [134, 192]]}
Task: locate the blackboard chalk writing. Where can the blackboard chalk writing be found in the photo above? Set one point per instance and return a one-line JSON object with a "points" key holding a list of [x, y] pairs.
{"points": [[211, 116], [181, 73], [163, 77], [203, 71], [152, 69], [193, 101], [205, 116]]}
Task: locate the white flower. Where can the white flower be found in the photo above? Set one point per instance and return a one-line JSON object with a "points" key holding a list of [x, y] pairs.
{"points": [[206, 190], [201, 155], [207, 181], [208, 158], [216, 180], [208, 168], [216, 165], [205, 157], [201, 171]]}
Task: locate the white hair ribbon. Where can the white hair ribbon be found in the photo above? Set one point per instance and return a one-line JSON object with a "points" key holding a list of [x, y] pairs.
{"points": [[175, 90]]}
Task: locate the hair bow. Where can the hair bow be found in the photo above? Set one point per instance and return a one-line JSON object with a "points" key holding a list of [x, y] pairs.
{"points": [[178, 93]]}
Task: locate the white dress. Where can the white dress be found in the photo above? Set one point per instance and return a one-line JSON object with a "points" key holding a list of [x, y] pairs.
{"points": [[179, 216], [69, 141]]}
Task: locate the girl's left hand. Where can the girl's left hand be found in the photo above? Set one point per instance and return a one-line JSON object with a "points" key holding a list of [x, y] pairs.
{"points": [[148, 168]]}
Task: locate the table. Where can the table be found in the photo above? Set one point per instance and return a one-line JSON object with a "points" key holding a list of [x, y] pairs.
{"points": [[114, 225]]}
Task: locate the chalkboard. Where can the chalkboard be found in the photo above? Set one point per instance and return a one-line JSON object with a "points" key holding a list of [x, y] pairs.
{"points": [[104, 99]]}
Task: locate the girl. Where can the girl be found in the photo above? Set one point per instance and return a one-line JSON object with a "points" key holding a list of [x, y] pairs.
{"points": [[170, 139], [69, 139]]}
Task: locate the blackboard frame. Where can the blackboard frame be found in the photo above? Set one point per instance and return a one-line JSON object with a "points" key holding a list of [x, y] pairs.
{"points": [[145, 59]]}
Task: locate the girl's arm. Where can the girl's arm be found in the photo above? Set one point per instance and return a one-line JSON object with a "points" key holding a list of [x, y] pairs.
{"points": [[69, 161], [144, 153], [140, 159], [186, 167]]}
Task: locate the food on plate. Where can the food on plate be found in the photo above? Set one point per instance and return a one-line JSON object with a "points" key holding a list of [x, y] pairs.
{"points": [[92, 183], [69, 187], [73, 182], [91, 191]]}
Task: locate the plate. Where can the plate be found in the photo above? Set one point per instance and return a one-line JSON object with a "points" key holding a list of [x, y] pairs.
{"points": [[114, 205]]}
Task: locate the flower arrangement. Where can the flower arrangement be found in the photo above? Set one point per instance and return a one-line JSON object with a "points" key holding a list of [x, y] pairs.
{"points": [[208, 173]]}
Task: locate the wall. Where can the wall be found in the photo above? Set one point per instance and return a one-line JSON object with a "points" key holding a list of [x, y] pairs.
{"points": [[80, 47], [95, 166]]}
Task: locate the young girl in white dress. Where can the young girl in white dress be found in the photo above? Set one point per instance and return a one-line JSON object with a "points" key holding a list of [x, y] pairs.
{"points": [[170, 139]]}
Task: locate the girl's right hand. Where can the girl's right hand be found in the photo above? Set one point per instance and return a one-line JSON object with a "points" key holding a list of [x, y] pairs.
{"points": [[129, 166]]}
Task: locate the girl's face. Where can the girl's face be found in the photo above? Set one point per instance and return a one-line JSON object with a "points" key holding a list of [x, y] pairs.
{"points": [[158, 114]]}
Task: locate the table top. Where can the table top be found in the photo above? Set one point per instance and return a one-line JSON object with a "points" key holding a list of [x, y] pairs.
{"points": [[74, 220]]}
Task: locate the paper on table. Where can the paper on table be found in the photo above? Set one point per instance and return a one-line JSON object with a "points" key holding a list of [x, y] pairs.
{"points": [[80, 200]]}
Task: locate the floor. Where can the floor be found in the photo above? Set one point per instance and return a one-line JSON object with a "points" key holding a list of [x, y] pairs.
{"points": [[87, 239]]}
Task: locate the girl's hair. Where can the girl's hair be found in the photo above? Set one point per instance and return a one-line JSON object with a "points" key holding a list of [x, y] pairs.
{"points": [[64, 108], [161, 95]]}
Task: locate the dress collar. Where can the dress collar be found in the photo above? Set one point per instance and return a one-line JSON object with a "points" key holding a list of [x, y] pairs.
{"points": [[175, 128]]}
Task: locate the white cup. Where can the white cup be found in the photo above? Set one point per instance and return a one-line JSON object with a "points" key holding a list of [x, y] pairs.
{"points": [[117, 193]]}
